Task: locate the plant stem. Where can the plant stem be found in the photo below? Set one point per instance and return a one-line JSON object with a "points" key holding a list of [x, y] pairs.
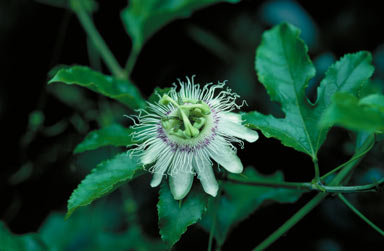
{"points": [[269, 183], [89, 27], [348, 204], [373, 187], [319, 197], [291, 222], [346, 163], [131, 60], [317, 171], [213, 226]]}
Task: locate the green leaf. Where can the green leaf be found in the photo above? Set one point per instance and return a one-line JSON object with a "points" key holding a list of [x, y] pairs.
{"points": [[175, 216], [239, 201], [284, 68], [115, 135], [121, 90], [373, 101], [366, 114], [143, 18], [26, 242], [103, 179]]}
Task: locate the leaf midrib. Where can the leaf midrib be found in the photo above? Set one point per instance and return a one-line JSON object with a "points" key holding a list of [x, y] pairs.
{"points": [[312, 153]]}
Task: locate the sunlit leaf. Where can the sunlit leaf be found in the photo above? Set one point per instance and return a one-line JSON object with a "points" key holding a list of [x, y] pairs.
{"points": [[144, 18], [106, 177], [26, 242], [366, 114], [175, 216], [239, 201], [119, 89], [115, 135], [284, 68]]}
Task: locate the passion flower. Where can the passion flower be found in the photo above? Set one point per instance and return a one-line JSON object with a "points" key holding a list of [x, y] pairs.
{"points": [[187, 129]]}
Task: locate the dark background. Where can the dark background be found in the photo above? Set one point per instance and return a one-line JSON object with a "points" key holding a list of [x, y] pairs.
{"points": [[36, 37]]}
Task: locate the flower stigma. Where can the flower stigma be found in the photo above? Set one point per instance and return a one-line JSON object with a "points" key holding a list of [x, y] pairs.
{"points": [[188, 119]]}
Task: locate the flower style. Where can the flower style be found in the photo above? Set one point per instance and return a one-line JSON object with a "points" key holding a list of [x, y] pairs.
{"points": [[185, 130]]}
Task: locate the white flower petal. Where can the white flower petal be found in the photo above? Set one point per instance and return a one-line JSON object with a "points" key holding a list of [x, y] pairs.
{"points": [[160, 167], [156, 179], [234, 117], [180, 184], [153, 152], [228, 127], [203, 167], [225, 156]]}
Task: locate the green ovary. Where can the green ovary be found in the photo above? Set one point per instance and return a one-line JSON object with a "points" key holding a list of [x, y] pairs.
{"points": [[188, 119]]}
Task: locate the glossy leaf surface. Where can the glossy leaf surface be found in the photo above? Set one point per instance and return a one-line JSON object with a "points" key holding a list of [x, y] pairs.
{"points": [[284, 68]]}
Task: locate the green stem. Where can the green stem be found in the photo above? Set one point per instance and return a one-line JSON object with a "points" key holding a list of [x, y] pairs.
{"points": [[291, 222], [317, 171], [270, 183], [98, 41], [370, 223], [131, 61], [349, 161], [318, 198], [93, 55], [373, 187], [211, 233], [213, 226]]}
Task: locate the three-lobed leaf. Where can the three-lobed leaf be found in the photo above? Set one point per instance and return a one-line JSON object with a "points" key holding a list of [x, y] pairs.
{"points": [[115, 135], [366, 114], [176, 216], [118, 89], [284, 68], [239, 201], [103, 179]]}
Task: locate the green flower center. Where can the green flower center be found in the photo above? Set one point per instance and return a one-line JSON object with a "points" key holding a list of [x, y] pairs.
{"points": [[188, 119]]}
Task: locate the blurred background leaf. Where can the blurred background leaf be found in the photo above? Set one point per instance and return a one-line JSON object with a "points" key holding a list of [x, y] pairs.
{"points": [[9, 241], [143, 18], [239, 201], [98, 227]]}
